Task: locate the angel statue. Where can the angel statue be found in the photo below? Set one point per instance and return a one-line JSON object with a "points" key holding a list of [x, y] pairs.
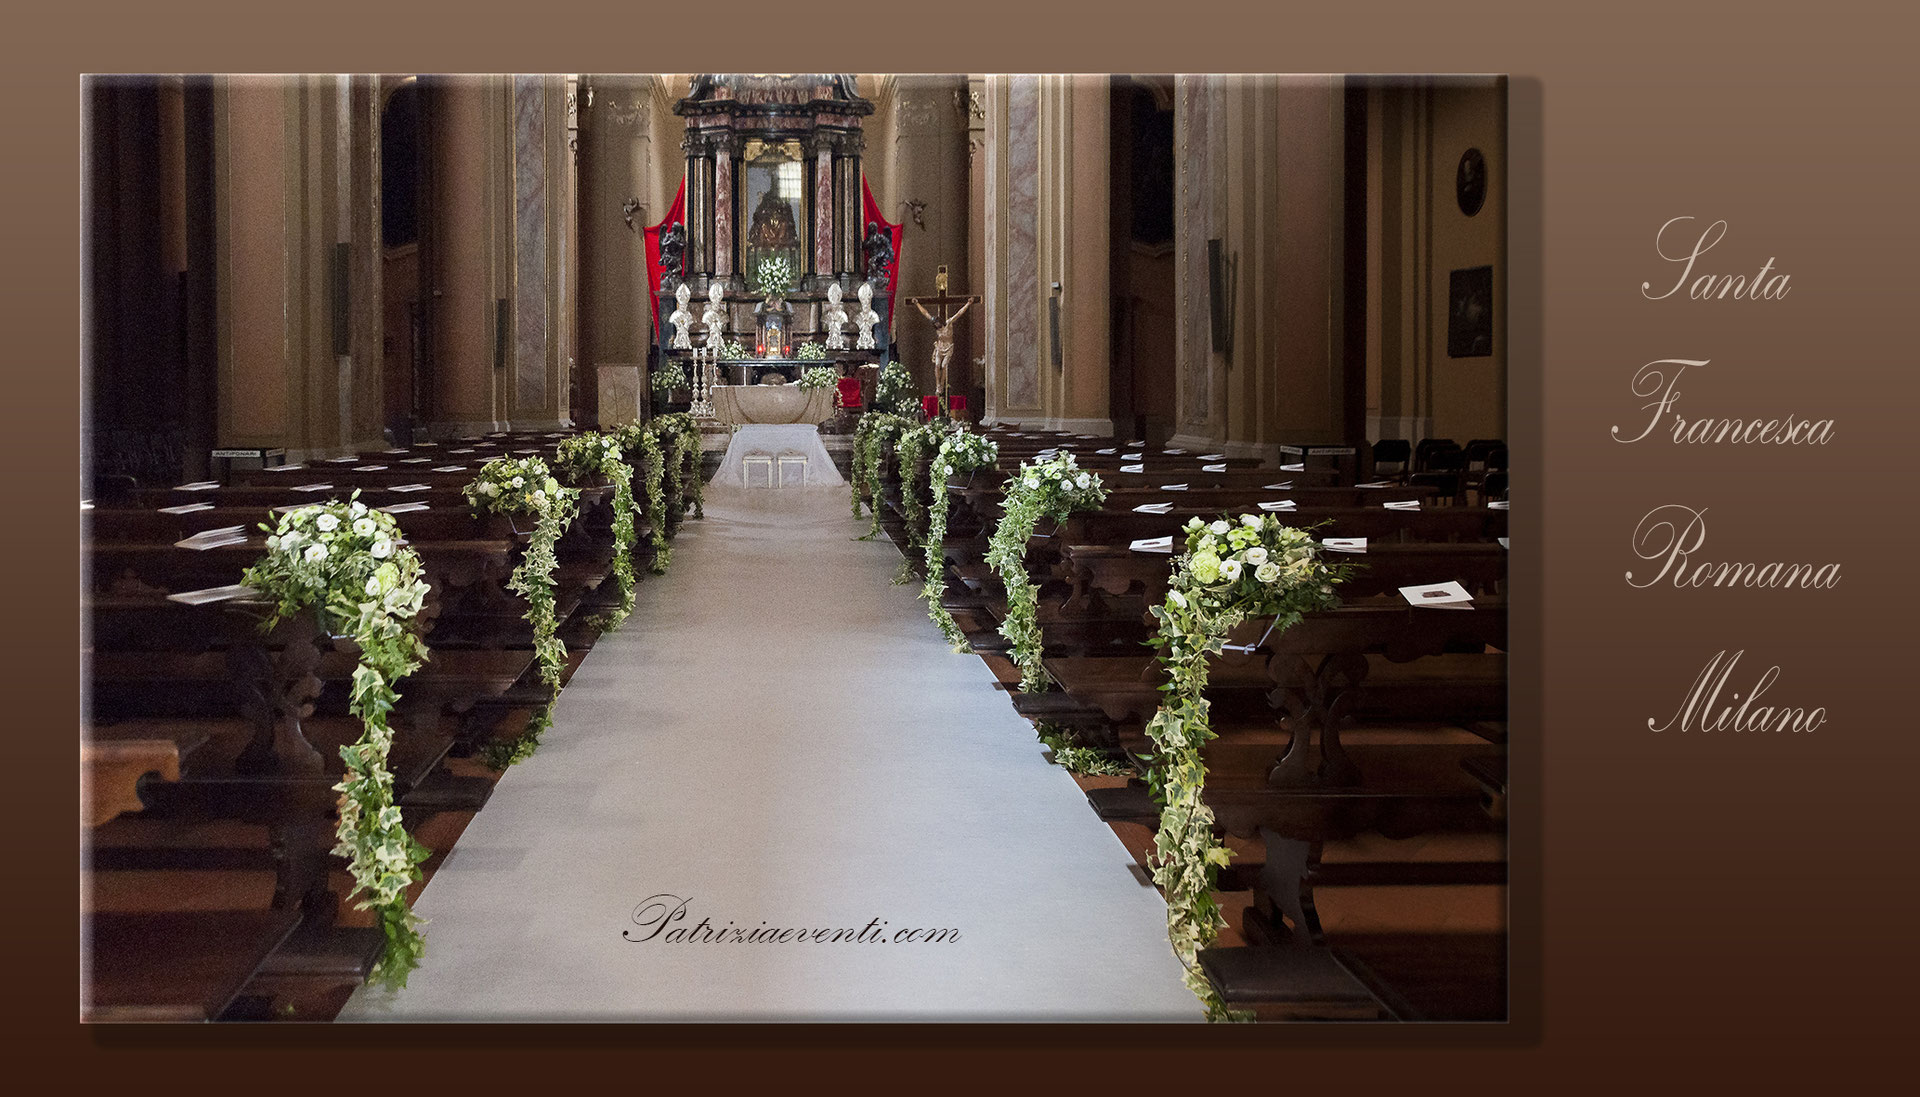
{"points": [[866, 319], [942, 342], [834, 319], [878, 246], [681, 319], [673, 251], [715, 316]]}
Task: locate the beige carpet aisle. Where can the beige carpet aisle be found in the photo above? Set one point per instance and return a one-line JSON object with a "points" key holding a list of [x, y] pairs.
{"points": [[779, 736]]}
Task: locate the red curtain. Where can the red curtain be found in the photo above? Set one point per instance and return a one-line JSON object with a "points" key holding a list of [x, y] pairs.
{"points": [[675, 212], [872, 211]]}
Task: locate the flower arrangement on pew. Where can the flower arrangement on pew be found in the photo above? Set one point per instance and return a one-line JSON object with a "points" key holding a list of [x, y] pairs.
{"points": [[961, 451], [524, 486], [894, 392], [349, 565], [811, 352], [583, 457], [635, 439], [679, 437], [914, 445], [1231, 572], [1053, 488], [818, 377], [875, 431]]}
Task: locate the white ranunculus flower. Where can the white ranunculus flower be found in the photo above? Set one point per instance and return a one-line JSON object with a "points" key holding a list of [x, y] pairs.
{"points": [[1084, 481], [316, 552], [1256, 556], [539, 498], [364, 527], [519, 481], [1251, 521], [357, 508], [1194, 523], [1267, 572], [1032, 483], [1230, 570], [1219, 526], [381, 549], [326, 523], [1177, 598]]}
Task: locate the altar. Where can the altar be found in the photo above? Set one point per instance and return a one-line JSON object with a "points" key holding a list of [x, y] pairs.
{"points": [[739, 405]]}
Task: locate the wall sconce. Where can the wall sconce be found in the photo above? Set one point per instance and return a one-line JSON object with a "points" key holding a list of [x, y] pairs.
{"points": [[1053, 320], [628, 208], [1222, 276]]}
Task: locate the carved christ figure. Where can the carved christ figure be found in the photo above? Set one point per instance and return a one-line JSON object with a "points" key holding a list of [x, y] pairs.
{"points": [[715, 316], [942, 342], [834, 319], [866, 319]]}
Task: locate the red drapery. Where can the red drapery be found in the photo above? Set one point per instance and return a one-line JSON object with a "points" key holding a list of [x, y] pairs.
{"points": [[872, 211], [675, 212]]}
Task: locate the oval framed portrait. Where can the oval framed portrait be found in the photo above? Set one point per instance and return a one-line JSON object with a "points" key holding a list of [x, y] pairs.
{"points": [[1470, 182]]}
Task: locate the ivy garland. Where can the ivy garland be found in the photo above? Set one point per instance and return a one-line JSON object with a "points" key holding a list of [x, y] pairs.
{"points": [[350, 565], [962, 451], [636, 438], [524, 486], [913, 446], [587, 455], [681, 435], [1076, 759], [1051, 488], [1231, 572], [870, 439]]}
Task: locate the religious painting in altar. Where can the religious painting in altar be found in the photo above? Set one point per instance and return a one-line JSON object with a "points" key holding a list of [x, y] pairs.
{"points": [[773, 190]]}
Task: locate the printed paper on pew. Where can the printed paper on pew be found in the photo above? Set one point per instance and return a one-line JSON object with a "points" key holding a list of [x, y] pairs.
{"points": [[212, 594], [1280, 504], [184, 508], [213, 538], [1153, 508], [451, 468], [426, 445], [1132, 456], [1112, 450], [199, 485], [1376, 484], [1133, 468], [1438, 596], [1153, 544], [1173, 487], [1277, 487], [87, 504], [1403, 504], [314, 487], [1498, 504], [369, 468], [1298, 466], [1344, 544], [341, 460], [1213, 468], [286, 468], [1175, 452], [1213, 456], [411, 487], [1502, 540], [468, 449], [404, 508], [1085, 437], [1140, 442], [393, 451], [416, 460]]}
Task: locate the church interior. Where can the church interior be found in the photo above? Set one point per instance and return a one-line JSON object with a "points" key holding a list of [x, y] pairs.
{"points": [[537, 527]]}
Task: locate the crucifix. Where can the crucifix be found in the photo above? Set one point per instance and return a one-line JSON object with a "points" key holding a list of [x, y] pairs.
{"points": [[942, 326]]}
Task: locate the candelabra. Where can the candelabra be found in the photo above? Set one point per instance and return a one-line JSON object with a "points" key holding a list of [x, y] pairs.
{"points": [[705, 374]]}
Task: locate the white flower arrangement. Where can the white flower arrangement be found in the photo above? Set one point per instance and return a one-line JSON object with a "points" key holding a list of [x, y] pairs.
{"points": [[1053, 488], [961, 451], [351, 565], [667, 378], [818, 377], [811, 352], [775, 275]]}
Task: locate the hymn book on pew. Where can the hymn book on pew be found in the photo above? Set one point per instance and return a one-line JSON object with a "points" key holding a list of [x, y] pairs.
{"points": [[1438, 596]]}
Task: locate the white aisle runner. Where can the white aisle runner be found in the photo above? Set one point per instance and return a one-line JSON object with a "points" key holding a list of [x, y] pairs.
{"points": [[778, 735]]}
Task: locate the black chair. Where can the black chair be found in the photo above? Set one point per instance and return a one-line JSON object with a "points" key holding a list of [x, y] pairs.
{"points": [[1397, 453], [1423, 453], [1445, 471], [1477, 451]]}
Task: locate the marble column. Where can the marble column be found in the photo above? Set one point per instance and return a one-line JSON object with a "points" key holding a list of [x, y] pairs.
{"points": [[530, 317], [723, 206]]}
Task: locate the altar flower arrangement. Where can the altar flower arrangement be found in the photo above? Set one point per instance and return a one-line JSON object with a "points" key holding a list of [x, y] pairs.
{"points": [[733, 348], [349, 564], [811, 352], [667, 378], [774, 276], [895, 391], [818, 377], [524, 486], [583, 457], [1053, 488], [1233, 570], [960, 451]]}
